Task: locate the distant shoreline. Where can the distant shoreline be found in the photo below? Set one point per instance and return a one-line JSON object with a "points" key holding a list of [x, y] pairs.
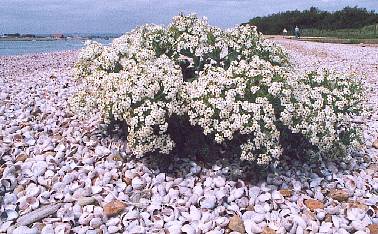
{"points": [[48, 39], [34, 39]]}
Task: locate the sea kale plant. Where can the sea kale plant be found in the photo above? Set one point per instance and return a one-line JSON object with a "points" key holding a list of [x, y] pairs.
{"points": [[192, 88]]}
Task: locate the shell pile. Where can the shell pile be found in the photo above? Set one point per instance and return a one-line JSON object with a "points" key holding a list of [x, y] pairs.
{"points": [[62, 174]]}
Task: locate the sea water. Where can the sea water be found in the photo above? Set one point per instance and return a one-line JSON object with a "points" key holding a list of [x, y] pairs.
{"points": [[32, 47]]}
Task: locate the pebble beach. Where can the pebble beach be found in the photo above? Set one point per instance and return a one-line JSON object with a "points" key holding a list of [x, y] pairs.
{"points": [[62, 174]]}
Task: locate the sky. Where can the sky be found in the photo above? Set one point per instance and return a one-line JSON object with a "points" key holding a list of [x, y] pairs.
{"points": [[119, 16]]}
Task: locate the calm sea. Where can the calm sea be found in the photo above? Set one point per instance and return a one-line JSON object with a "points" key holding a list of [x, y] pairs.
{"points": [[31, 47]]}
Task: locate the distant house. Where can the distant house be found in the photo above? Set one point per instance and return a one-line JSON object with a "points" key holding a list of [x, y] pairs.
{"points": [[58, 36]]}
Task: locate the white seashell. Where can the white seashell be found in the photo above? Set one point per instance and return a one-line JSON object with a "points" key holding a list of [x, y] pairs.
{"points": [[355, 214], [336, 221], [297, 186], [315, 182], [276, 195], [325, 227], [47, 229], [372, 201], [25, 230], [343, 231], [299, 220], [198, 190], [39, 168], [173, 226], [251, 227], [131, 215], [168, 214], [188, 229], [318, 195], [254, 192], [219, 182], [137, 229], [252, 215], [113, 221], [359, 225], [314, 226], [33, 191], [113, 229], [320, 215], [195, 213], [138, 183], [216, 168], [265, 197], [206, 227], [332, 210], [208, 202], [158, 222], [95, 222], [11, 215], [232, 208], [222, 221], [262, 208], [102, 151], [9, 198], [208, 182], [242, 202], [96, 189]]}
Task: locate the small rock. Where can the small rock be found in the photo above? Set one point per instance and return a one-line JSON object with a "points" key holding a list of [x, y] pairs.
{"points": [[35, 111], [37, 214], [314, 204], [21, 157], [268, 230], [339, 195], [373, 228], [236, 224], [84, 201], [286, 192], [375, 144], [113, 208]]}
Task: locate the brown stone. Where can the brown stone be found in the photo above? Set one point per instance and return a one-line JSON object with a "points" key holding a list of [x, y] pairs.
{"points": [[127, 180], [314, 204], [339, 195], [236, 224], [21, 157], [113, 208], [359, 205], [250, 208], [268, 230], [375, 144], [373, 228], [328, 218], [286, 192]]}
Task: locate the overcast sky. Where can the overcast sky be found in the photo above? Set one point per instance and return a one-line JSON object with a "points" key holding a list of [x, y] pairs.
{"points": [[118, 16]]}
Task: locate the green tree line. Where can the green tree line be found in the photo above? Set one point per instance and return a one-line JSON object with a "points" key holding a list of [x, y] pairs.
{"points": [[349, 17]]}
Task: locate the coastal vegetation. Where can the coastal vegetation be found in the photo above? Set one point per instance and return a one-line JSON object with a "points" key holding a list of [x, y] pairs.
{"points": [[348, 22], [192, 88]]}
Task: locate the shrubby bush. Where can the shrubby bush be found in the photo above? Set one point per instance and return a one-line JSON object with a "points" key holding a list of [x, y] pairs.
{"points": [[191, 88]]}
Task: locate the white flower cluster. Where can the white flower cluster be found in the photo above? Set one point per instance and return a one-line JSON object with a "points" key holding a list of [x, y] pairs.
{"points": [[321, 106], [239, 100], [231, 83]]}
